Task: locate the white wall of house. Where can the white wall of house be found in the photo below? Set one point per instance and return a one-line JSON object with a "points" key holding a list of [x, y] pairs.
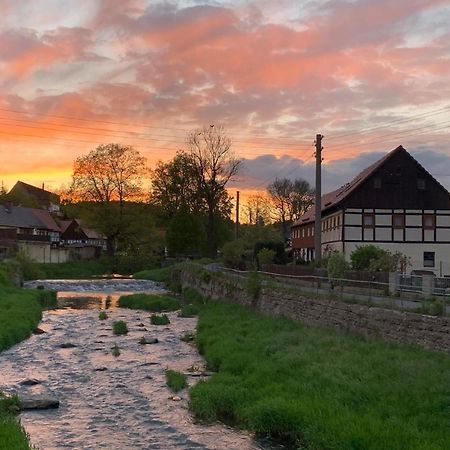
{"points": [[416, 253], [42, 252]]}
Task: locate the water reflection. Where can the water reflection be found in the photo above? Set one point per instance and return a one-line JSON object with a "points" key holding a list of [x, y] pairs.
{"points": [[77, 300]]}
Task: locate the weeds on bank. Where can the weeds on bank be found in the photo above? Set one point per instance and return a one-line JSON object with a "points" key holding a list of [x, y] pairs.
{"points": [[319, 389], [102, 315], [120, 327], [175, 380], [159, 320], [147, 302], [115, 351]]}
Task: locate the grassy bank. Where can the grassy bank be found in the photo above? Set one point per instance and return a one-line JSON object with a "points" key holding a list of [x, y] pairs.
{"points": [[72, 269], [161, 275], [20, 312], [318, 389]]}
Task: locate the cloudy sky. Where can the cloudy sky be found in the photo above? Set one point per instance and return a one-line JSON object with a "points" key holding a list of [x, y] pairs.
{"points": [[367, 74]]}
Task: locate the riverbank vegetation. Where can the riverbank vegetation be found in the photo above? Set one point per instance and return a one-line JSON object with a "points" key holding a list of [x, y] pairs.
{"points": [[161, 275], [120, 327], [319, 389], [159, 320], [175, 380], [148, 302]]}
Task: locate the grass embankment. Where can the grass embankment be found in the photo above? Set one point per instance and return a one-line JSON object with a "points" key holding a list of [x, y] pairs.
{"points": [[20, 312], [319, 389], [161, 275], [72, 269], [147, 302]]}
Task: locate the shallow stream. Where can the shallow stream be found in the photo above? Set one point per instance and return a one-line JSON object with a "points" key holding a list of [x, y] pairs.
{"points": [[107, 402]]}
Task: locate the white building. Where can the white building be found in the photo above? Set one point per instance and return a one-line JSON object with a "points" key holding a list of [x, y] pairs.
{"points": [[394, 204]]}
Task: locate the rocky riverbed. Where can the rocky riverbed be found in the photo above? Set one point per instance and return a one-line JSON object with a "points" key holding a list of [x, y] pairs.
{"points": [[108, 402]]}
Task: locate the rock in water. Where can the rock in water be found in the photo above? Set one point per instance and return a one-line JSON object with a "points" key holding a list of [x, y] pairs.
{"points": [[67, 345], [29, 382], [38, 331], [148, 340], [37, 401]]}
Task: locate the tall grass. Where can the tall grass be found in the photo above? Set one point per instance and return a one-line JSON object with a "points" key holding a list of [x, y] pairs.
{"points": [[161, 275], [147, 302], [320, 389], [74, 269], [175, 380]]}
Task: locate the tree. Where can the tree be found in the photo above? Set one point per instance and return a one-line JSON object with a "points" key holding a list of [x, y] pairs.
{"points": [[108, 176], [215, 165], [376, 259], [290, 200], [257, 209]]}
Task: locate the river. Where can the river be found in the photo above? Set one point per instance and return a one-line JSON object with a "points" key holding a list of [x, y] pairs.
{"points": [[107, 402]]}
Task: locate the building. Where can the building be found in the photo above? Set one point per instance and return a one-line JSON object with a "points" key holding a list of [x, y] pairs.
{"points": [[394, 204], [23, 194], [31, 231]]}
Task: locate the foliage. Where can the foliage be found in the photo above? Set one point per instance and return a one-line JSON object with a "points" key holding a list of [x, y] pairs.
{"points": [[276, 246], [253, 284], [29, 269], [159, 320], [266, 256], [120, 327], [319, 389], [189, 310], [191, 295], [115, 351], [290, 199], [185, 234], [175, 380], [102, 315], [108, 176], [433, 307], [337, 266], [257, 210], [148, 302], [376, 259], [235, 253], [160, 275]]}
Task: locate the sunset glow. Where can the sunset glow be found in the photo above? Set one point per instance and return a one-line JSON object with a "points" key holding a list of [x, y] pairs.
{"points": [[369, 75]]}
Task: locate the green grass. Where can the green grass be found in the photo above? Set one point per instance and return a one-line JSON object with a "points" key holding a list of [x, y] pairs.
{"points": [[74, 269], [159, 320], [102, 315], [20, 313], [120, 327], [115, 351], [189, 311], [317, 388], [161, 275], [147, 302], [175, 380]]}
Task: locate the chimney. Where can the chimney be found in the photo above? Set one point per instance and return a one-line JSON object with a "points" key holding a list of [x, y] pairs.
{"points": [[43, 186]]}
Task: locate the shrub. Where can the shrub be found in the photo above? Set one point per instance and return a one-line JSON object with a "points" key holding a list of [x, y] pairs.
{"points": [[253, 285], [234, 254], [375, 259], [159, 320], [115, 351], [147, 302], [191, 295], [175, 380], [102, 315], [189, 311], [120, 327], [337, 266]]}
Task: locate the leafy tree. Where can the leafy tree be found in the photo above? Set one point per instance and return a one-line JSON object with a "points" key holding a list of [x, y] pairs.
{"points": [[257, 209], [337, 266], [375, 259], [215, 165], [290, 199], [108, 176], [185, 234]]}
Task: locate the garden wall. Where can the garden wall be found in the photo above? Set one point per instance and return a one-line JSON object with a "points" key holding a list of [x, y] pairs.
{"points": [[429, 332]]}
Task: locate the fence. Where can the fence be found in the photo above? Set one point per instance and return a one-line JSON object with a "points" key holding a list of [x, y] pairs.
{"points": [[401, 292]]}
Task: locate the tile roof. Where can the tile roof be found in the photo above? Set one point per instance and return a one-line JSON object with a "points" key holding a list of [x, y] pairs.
{"points": [[20, 217]]}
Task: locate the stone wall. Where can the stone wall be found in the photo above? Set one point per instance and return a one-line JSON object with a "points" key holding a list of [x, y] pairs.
{"points": [[429, 332]]}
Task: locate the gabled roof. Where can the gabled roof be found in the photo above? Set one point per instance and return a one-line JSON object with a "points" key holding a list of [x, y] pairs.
{"points": [[334, 198], [20, 217], [41, 196]]}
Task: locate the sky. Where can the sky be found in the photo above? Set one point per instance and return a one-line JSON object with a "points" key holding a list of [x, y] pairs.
{"points": [[368, 75]]}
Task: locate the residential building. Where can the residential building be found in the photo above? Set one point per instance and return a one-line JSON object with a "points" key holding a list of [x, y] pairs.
{"points": [[394, 204], [23, 194]]}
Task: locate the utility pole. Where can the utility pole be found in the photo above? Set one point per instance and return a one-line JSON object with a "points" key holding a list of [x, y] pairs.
{"points": [[318, 200], [236, 229]]}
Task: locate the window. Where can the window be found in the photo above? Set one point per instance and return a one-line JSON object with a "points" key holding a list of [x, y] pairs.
{"points": [[398, 221], [428, 259], [421, 184], [377, 183], [429, 221], [368, 220]]}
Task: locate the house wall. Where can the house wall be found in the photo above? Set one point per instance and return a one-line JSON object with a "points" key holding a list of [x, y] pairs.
{"points": [[42, 252]]}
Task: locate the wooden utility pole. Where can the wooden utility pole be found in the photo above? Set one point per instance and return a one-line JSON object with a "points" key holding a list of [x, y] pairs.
{"points": [[318, 201], [236, 229]]}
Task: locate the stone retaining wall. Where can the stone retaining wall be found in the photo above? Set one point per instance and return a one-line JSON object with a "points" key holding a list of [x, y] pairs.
{"points": [[429, 332]]}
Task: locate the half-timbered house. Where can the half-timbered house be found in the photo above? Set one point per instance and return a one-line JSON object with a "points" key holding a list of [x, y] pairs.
{"points": [[394, 204]]}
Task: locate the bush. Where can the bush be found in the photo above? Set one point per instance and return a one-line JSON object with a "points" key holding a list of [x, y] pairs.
{"points": [[276, 246], [102, 315], [159, 320], [266, 256], [120, 327], [191, 295], [234, 254], [253, 285], [337, 266], [375, 259], [147, 302], [189, 311], [175, 380], [160, 275], [115, 351]]}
